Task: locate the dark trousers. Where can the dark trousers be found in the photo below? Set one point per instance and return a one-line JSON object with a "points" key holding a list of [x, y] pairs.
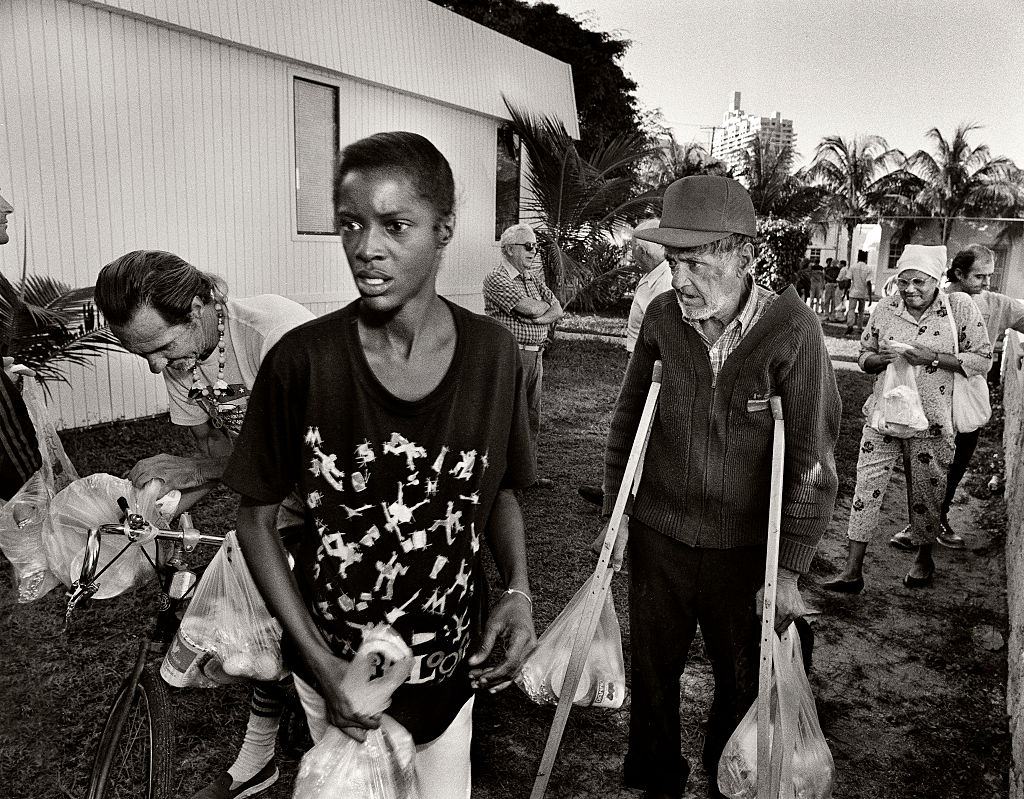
{"points": [[673, 588], [965, 444]]}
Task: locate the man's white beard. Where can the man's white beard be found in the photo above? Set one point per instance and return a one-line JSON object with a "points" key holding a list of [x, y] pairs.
{"points": [[712, 305]]}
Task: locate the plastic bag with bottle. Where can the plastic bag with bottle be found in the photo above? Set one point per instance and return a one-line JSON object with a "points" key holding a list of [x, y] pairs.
{"points": [[87, 503], [383, 766], [25, 518], [807, 770], [228, 619], [603, 682]]}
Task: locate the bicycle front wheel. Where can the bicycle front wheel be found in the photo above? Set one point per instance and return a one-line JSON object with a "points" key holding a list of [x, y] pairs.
{"points": [[135, 756]]}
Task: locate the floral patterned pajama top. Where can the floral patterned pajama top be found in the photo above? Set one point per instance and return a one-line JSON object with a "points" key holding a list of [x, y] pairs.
{"points": [[891, 321]]}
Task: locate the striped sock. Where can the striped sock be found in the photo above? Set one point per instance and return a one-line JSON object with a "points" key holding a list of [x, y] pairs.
{"points": [[261, 733]]}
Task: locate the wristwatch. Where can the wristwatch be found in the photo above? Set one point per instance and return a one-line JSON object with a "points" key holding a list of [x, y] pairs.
{"points": [[935, 363]]}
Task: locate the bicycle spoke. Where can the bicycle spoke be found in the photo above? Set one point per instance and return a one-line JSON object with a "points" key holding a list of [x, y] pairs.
{"points": [[130, 771]]}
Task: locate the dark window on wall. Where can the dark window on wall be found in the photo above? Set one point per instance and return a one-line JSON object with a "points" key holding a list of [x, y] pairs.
{"points": [[895, 251], [506, 203], [316, 145]]}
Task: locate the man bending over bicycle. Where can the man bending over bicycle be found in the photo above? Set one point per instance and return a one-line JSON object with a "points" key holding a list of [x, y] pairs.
{"points": [[208, 347]]}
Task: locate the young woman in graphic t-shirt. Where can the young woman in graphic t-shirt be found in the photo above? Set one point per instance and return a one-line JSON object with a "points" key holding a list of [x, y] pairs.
{"points": [[401, 419]]}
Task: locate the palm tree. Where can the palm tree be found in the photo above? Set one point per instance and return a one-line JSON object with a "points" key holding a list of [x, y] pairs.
{"points": [[45, 325], [672, 160], [577, 201], [766, 169], [855, 174], [958, 180]]}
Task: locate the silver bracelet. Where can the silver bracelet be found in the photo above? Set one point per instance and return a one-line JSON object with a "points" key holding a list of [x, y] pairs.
{"points": [[522, 593]]}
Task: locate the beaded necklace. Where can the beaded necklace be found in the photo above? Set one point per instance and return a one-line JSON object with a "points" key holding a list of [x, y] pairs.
{"points": [[204, 395]]}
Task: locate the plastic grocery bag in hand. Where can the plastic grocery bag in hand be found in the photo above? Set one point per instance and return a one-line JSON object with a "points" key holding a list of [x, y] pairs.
{"points": [[88, 503], [228, 619], [894, 407], [807, 769], [25, 519], [383, 766], [603, 682]]}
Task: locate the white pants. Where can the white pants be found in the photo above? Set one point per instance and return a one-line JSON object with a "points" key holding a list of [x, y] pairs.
{"points": [[442, 766]]}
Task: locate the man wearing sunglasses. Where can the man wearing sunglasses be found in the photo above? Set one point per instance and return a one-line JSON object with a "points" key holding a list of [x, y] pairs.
{"points": [[517, 297]]}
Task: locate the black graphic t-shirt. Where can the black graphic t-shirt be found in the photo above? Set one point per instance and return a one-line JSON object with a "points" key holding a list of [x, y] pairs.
{"points": [[398, 493]]}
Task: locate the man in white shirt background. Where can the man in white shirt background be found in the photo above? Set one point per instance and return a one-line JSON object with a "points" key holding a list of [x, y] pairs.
{"points": [[655, 278], [860, 276]]}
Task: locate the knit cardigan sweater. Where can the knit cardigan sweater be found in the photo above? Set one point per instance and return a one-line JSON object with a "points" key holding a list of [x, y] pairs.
{"points": [[707, 472]]}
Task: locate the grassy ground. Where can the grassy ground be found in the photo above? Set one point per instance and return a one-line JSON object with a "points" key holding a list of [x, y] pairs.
{"points": [[912, 706]]}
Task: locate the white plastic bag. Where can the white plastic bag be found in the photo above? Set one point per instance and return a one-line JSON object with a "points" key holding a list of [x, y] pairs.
{"points": [[57, 470], [25, 519], [972, 407], [21, 537], [807, 768], [895, 404], [603, 682], [383, 766], [339, 767], [88, 503], [228, 619]]}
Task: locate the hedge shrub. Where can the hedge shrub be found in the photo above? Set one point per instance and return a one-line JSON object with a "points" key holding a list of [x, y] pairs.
{"points": [[780, 249]]}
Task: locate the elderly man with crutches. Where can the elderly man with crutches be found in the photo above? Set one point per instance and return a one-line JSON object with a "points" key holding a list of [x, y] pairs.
{"points": [[699, 525]]}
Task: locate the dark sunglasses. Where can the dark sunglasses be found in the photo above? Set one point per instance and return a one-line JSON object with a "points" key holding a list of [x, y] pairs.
{"points": [[528, 246]]}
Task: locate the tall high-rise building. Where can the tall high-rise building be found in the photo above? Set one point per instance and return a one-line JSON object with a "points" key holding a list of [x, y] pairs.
{"points": [[739, 129]]}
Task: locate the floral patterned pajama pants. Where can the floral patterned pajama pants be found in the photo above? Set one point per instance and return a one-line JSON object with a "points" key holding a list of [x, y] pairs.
{"points": [[928, 459]]}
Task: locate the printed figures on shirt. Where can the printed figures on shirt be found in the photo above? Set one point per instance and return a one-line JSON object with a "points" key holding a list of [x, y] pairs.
{"points": [[415, 544]]}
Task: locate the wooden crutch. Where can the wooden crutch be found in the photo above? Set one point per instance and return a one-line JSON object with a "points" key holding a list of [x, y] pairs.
{"points": [[769, 780], [595, 600]]}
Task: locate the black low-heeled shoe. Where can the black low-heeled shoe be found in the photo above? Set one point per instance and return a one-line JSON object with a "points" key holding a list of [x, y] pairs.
{"points": [[910, 581], [845, 586]]}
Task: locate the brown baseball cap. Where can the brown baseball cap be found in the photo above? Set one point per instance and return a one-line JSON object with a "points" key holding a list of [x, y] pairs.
{"points": [[700, 209]]}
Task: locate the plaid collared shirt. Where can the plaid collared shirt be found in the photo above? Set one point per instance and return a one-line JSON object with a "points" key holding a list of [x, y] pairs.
{"points": [[504, 288], [758, 301]]}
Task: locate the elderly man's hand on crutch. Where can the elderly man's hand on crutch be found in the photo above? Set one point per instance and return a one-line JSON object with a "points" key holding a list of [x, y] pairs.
{"points": [[789, 602], [619, 549]]}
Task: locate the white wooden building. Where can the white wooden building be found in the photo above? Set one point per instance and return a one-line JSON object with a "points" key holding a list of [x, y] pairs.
{"points": [[207, 128]]}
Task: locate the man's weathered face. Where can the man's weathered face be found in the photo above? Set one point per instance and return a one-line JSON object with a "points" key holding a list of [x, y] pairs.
{"points": [[980, 277], [705, 283], [5, 209], [164, 346]]}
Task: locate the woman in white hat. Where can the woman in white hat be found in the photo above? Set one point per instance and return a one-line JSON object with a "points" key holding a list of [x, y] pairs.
{"points": [[915, 326]]}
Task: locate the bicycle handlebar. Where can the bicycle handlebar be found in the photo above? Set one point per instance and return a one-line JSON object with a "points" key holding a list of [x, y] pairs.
{"points": [[134, 527]]}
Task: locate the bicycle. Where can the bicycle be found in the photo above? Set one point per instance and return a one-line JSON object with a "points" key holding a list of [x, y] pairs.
{"points": [[135, 755]]}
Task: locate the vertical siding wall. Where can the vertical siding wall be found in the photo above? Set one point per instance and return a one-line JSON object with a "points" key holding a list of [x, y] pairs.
{"points": [[118, 134]]}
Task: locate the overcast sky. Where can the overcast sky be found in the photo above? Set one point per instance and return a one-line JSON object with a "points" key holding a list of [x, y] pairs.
{"points": [[894, 68]]}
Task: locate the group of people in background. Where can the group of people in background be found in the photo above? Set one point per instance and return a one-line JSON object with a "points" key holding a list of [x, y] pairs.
{"points": [[837, 292], [376, 448]]}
